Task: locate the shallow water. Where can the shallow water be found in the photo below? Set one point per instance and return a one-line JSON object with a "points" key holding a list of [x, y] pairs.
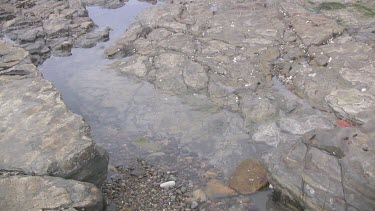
{"points": [[130, 118]]}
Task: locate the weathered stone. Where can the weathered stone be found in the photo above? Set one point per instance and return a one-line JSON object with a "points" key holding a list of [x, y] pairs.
{"points": [[170, 69], [257, 109], [352, 104], [248, 177], [300, 126], [48, 193], [39, 135]]}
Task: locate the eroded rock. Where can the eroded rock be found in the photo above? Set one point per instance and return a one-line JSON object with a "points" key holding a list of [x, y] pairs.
{"points": [[40, 136], [48, 193]]}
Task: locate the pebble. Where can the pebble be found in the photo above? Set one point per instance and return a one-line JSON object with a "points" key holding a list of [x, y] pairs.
{"points": [[194, 205], [168, 184]]}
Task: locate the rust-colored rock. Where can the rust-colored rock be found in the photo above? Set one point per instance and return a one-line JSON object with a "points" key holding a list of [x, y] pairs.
{"points": [[216, 190], [248, 177]]}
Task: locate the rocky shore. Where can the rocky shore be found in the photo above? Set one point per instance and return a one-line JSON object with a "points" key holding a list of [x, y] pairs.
{"points": [[301, 74], [47, 158]]}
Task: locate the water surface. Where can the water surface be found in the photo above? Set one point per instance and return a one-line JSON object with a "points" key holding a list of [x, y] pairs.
{"points": [[130, 118]]}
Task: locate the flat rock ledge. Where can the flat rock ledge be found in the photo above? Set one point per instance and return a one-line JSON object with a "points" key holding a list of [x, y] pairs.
{"points": [[41, 139]]}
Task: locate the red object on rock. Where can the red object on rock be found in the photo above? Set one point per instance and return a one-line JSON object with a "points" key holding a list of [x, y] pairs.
{"points": [[344, 123]]}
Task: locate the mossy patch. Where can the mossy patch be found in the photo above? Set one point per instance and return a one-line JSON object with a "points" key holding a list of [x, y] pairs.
{"points": [[146, 144], [367, 11], [141, 140], [331, 6]]}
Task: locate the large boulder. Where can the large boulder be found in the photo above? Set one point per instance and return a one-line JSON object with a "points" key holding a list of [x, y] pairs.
{"points": [[39, 135]]}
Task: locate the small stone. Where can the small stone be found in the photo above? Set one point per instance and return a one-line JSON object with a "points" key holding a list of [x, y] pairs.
{"points": [[199, 195], [194, 205], [183, 189], [171, 177], [210, 174], [168, 184], [216, 190]]}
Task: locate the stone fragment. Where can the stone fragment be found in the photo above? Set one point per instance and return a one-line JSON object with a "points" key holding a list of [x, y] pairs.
{"points": [[199, 196], [248, 177], [216, 190]]}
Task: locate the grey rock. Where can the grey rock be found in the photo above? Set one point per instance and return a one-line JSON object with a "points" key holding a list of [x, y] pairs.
{"points": [[48, 193], [40, 136], [352, 104], [194, 205], [51, 24]]}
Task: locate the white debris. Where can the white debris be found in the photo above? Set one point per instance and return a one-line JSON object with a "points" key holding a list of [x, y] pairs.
{"points": [[168, 184], [312, 191], [312, 74], [270, 186]]}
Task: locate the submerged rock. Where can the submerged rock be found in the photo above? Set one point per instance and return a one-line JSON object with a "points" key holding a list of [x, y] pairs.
{"points": [[248, 177], [216, 190]]}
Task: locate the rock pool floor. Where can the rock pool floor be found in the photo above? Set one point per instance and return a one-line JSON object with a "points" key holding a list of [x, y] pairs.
{"points": [[145, 129]]}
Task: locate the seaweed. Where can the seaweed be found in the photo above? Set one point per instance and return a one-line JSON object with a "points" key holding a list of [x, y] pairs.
{"points": [[331, 6], [367, 11]]}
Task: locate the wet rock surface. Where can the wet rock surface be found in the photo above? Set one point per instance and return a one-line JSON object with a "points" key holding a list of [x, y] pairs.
{"points": [[45, 27], [48, 193], [41, 137], [292, 69], [291, 80]]}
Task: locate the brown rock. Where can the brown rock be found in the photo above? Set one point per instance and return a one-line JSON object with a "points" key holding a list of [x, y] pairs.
{"points": [[210, 174], [216, 189], [248, 177]]}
